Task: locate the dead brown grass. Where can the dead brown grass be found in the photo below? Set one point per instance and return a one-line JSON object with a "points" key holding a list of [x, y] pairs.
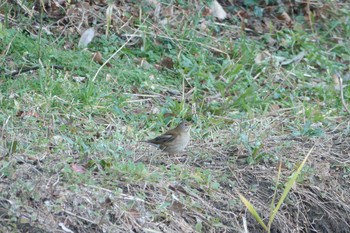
{"points": [[38, 194]]}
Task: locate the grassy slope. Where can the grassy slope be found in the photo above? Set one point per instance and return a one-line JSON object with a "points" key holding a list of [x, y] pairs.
{"points": [[247, 117]]}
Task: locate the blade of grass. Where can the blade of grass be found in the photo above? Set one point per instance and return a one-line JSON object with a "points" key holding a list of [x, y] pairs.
{"points": [[109, 12], [272, 205], [252, 210], [288, 188]]}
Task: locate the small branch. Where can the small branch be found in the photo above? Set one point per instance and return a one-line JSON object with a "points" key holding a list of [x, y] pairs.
{"points": [[24, 70], [80, 217], [342, 93], [115, 53]]}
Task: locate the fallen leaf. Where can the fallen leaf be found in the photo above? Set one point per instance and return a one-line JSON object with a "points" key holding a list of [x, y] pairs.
{"points": [[218, 11], [261, 57], [135, 89], [97, 57], [168, 11], [24, 114], [167, 62], [286, 18], [78, 168], [274, 107], [19, 113], [86, 38], [336, 82], [108, 77], [78, 78], [297, 58], [142, 62], [158, 67], [242, 14], [206, 11]]}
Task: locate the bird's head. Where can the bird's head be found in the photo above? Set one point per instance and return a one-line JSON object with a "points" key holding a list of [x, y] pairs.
{"points": [[185, 125]]}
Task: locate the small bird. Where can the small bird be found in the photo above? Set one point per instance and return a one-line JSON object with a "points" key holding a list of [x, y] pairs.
{"points": [[174, 140]]}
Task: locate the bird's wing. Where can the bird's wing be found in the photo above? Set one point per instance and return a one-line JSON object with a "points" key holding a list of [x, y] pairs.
{"points": [[167, 137]]}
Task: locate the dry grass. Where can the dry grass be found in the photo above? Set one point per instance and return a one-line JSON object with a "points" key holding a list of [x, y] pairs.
{"points": [[184, 199]]}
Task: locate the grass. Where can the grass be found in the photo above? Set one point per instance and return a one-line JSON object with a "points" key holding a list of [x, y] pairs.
{"points": [[248, 117], [275, 207]]}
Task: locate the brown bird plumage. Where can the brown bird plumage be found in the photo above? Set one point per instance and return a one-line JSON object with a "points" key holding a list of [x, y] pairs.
{"points": [[174, 140]]}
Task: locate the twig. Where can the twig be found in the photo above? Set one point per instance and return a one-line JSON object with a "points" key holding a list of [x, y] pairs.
{"points": [[115, 53], [245, 224], [136, 101], [342, 93], [24, 70], [77, 216], [119, 195], [189, 41]]}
